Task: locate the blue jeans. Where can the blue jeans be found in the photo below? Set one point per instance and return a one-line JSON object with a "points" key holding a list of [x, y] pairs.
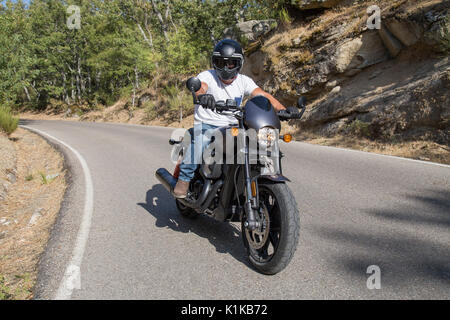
{"points": [[194, 151]]}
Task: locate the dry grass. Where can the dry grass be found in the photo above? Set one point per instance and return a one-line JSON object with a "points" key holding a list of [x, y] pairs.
{"points": [[419, 150], [27, 214]]}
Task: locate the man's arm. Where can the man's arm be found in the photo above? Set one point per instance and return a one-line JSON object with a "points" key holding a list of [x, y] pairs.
{"points": [[202, 90], [275, 103]]}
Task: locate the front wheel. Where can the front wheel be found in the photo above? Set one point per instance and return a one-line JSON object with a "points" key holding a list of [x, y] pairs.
{"points": [[271, 247]]}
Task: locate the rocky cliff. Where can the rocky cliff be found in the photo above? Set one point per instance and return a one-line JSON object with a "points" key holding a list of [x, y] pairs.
{"points": [[385, 83]]}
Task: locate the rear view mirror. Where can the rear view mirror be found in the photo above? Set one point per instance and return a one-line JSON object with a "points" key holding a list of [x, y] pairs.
{"points": [[301, 103], [193, 84]]}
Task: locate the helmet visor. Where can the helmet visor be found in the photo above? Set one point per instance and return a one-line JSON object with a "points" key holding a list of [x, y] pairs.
{"points": [[230, 63]]}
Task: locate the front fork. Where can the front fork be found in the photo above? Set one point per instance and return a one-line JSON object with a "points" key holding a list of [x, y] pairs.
{"points": [[251, 204]]}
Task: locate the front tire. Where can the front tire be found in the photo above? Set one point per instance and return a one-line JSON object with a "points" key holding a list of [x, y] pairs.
{"points": [[280, 243]]}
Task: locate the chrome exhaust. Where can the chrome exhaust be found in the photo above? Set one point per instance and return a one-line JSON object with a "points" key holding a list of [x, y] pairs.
{"points": [[167, 180]]}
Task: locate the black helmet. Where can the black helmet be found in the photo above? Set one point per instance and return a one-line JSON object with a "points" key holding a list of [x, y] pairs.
{"points": [[227, 59]]}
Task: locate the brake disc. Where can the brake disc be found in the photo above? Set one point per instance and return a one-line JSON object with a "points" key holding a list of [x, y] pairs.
{"points": [[257, 238]]}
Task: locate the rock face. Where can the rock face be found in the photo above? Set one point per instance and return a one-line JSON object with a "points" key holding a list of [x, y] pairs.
{"points": [[315, 4], [394, 80], [360, 52], [408, 103], [408, 32], [250, 30]]}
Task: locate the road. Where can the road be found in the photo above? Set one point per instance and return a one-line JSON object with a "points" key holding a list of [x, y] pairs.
{"points": [[357, 210]]}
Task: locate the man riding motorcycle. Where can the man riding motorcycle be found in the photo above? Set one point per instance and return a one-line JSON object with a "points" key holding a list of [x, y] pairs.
{"points": [[222, 83]]}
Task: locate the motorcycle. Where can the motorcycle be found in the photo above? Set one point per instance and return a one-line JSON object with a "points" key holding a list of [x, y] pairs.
{"points": [[250, 189]]}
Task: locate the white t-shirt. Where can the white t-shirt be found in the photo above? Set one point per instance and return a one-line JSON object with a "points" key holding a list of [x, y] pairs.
{"points": [[240, 88]]}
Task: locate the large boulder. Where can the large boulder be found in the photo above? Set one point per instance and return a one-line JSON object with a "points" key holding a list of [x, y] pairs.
{"points": [[250, 30], [408, 32], [360, 52], [390, 41]]}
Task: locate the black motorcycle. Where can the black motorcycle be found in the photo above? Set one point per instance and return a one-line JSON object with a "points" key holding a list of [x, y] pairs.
{"points": [[251, 189]]}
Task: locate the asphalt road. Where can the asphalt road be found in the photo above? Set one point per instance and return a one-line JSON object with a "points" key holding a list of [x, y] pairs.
{"points": [[357, 210]]}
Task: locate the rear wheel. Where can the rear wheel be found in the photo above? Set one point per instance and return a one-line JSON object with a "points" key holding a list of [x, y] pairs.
{"points": [[186, 211], [271, 247]]}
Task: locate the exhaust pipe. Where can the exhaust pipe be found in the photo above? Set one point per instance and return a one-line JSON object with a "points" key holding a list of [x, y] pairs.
{"points": [[167, 180], [205, 198]]}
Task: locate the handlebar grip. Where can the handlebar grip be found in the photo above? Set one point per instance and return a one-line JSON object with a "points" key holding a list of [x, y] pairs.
{"points": [[284, 115]]}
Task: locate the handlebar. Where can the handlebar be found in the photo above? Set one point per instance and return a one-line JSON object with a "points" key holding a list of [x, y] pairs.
{"points": [[229, 105], [285, 115]]}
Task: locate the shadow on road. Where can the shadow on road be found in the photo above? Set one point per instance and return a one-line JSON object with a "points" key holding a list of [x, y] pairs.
{"points": [[225, 237], [24, 122], [404, 256], [431, 207]]}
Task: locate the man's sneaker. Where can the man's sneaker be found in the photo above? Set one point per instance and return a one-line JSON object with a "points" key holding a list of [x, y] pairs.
{"points": [[181, 189]]}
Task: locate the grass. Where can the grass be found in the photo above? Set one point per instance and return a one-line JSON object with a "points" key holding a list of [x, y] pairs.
{"points": [[359, 128], [8, 123], [21, 247], [5, 291], [44, 178], [24, 291], [419, 150]]}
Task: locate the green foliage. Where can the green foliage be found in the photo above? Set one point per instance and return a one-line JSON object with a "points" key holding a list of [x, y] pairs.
{"points": [[359, 128], [121, 45], [44, 178], [8, 123], [150, 111], [284, 16], [5, 292]]}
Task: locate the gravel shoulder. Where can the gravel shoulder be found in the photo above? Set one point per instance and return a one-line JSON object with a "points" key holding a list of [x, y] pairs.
{"points": [[28, 210]]}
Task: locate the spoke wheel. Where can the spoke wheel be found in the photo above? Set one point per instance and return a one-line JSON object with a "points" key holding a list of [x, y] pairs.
{"points": [[257, 239], [271, 247]]}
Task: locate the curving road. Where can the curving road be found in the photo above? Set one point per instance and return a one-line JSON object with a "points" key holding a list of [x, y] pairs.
{"points": [[357, 210]]}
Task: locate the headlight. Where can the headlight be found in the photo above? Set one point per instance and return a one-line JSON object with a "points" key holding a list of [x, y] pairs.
{"points": [[267, 137]]}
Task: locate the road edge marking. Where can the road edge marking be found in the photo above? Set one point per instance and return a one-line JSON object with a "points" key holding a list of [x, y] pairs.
{"points": [[377, 154], [72, 276]]}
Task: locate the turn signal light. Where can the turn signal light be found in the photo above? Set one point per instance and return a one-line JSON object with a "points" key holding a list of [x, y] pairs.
{"points": [[253, 188], [287, 138], [234, 131]]}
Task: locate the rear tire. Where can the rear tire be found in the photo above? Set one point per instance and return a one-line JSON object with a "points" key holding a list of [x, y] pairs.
{"points": [[284, 230], [186, 211]]}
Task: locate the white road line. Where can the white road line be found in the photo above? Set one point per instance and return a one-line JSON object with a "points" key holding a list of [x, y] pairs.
{"points": [[377, 154], [72, 278]]}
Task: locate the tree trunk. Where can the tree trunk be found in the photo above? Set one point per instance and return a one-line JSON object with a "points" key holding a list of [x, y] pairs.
{"points": [[163, 23], [149, 42], [27, 93]]}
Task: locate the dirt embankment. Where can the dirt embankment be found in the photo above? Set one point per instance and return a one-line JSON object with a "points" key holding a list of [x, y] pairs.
{"points": [[28, 209]]}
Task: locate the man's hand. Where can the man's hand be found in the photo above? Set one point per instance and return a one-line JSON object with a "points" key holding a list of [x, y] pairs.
{"points": [[207, 101], [292, 110]]}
